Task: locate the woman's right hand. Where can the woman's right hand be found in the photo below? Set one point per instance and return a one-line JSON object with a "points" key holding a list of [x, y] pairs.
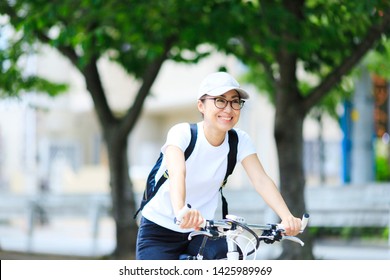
{"points": [[192, 219]]}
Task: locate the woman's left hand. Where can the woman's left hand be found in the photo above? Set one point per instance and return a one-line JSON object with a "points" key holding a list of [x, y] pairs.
{"points": [[292, 225]]}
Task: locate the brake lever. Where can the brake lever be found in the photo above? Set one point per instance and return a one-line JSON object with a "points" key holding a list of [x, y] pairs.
{"points": [[199, 232], [294, 239], [211, 233]]}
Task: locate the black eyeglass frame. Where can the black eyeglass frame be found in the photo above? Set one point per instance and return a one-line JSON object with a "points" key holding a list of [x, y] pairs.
{"points": [[241, 103]]}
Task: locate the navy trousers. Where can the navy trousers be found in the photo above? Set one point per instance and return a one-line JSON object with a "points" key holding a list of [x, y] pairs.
{"points": [[158, 243]]}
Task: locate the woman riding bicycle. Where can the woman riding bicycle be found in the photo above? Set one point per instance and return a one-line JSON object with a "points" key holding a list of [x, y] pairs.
{"points": [[197, 180]]}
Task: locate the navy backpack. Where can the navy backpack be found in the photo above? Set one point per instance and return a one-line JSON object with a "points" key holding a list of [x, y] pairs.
{"points": [[152, 186]]}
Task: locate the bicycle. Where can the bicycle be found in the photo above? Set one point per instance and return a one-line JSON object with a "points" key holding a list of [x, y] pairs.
{"points": [[242, 239]]}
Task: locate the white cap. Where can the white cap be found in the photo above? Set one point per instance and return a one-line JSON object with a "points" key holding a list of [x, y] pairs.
{"points": [[218, 83]]}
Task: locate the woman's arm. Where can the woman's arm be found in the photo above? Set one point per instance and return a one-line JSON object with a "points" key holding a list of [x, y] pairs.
{"points": [[177, 173], [177, 186], [271, 195]]}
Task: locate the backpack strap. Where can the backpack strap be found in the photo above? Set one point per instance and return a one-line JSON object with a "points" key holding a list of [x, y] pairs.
{"points": [[165, 176], [187, 153], [194, 136], [232, 160]]}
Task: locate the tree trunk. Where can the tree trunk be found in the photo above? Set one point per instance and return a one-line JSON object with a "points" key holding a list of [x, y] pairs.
{"points": [[122, 194], [289, 141], [116, 132]]}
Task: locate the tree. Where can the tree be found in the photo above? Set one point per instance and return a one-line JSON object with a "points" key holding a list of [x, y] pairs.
{"points": [[138, 35], [326, 39], [12, 80]]}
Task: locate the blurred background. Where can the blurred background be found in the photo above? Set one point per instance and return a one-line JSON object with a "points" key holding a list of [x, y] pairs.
{"points": [[89, 90]]}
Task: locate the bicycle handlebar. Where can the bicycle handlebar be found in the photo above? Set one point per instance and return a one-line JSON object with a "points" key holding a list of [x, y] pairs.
{"points": [[305, 221], [231, 219]]}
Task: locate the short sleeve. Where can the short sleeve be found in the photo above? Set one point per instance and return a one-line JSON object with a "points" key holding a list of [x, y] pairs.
{"points": [[179, 135], [245, 145]]}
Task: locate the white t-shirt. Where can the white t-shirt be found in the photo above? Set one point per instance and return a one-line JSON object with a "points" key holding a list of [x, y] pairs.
{"points": [[205, 171]]}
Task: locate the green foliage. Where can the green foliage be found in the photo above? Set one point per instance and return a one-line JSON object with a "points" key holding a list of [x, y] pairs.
{"points": [[131, 32], [348, 233], [385, 233], [382, 160], [318, 36], [134, 33], [382, 169], [377, 60], [15, 80]]}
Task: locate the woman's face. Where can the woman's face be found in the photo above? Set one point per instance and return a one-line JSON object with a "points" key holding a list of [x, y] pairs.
{"points": [[222, 119]]}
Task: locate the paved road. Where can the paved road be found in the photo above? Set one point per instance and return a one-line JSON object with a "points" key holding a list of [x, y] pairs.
{"points": [[338, 250], [342, 250], [70, 249]]}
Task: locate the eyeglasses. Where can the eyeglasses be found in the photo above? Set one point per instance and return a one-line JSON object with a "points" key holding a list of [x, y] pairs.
{"points": [[221, 103]]}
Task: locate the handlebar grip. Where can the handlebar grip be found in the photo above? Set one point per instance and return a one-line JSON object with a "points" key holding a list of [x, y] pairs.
{"points": [[203, 223], [305, 220], [182, 212]]}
